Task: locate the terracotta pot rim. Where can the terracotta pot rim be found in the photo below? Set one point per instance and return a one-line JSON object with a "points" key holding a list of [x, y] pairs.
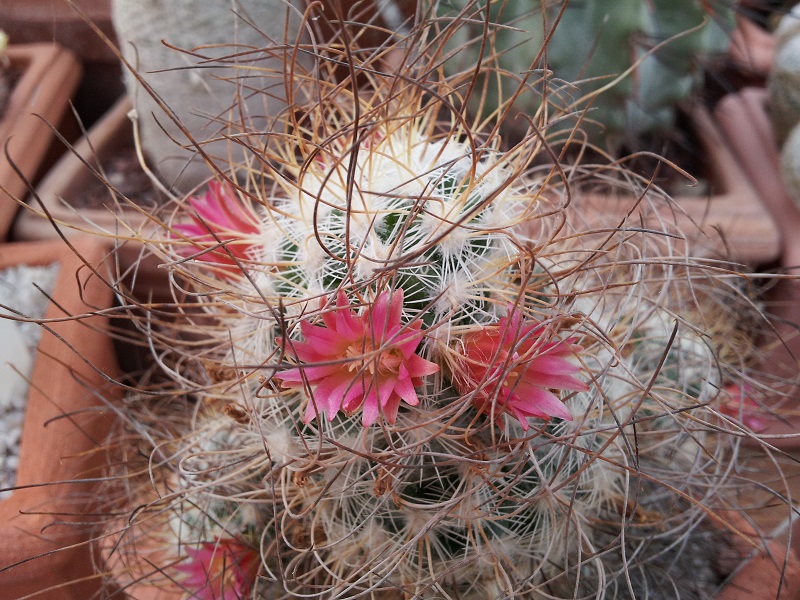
{"points": [[66, 420], [730, 225], [40, 98]]}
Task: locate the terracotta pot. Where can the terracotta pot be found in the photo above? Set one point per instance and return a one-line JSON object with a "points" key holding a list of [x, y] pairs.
{"points": [[772, 572], [752, 48], [70, 24], [729, 224], [68, 181], [69, 178], [50, 75], [45, 543], [744, 119], [56, 20]]}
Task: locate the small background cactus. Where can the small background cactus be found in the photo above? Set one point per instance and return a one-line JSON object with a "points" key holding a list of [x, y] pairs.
{"points": [[630, 63]]}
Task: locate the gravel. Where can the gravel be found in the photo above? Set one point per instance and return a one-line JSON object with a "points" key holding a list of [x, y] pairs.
{"points": [[18, 291]]}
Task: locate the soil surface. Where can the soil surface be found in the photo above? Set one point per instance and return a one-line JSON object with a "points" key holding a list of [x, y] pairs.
{"points": [[122, 171]]}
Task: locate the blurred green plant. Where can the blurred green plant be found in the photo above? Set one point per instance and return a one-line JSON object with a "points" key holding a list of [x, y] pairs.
{"points": [[629, 62]]}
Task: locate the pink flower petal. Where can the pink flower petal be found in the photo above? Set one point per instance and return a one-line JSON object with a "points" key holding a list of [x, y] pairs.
{"points": [[408, 340], [391, 409], [220, 225], [329, 394], [370, 407], [222, 570], [552, 364], [365, 361], [395, 306], [310, 414], [321, 372], [292, 376], [419, 367], [563, 382], [347, 325], [404, 389], [321, 336], [538, 402], [384, 388], [521, 386], [353, 396]]}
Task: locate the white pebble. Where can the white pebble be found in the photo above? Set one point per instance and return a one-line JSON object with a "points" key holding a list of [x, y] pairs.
{"points": [[18, 290]]}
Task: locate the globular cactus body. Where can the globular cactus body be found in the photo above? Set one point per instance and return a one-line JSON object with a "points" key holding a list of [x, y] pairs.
{"points": [[412, 371]]}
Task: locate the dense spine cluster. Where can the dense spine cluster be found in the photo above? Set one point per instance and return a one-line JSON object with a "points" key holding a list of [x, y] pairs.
{"points": [[410, 370]]}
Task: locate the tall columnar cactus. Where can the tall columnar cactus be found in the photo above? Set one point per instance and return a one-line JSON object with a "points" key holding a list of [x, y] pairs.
{"points": [[212, 36], [411, 371], [631, 62]]}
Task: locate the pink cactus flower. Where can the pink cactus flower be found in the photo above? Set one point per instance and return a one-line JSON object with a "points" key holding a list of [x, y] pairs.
{"points": [[225, 569], [512, 367], [737, 403], [219, 218], [365, 361]]}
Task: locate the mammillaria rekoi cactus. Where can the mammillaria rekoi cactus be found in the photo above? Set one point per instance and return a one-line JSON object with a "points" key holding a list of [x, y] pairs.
{"points": [[419, 374]]}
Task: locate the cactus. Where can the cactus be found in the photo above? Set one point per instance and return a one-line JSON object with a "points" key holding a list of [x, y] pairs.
{"points": [[412, 371], [630, 63]]}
